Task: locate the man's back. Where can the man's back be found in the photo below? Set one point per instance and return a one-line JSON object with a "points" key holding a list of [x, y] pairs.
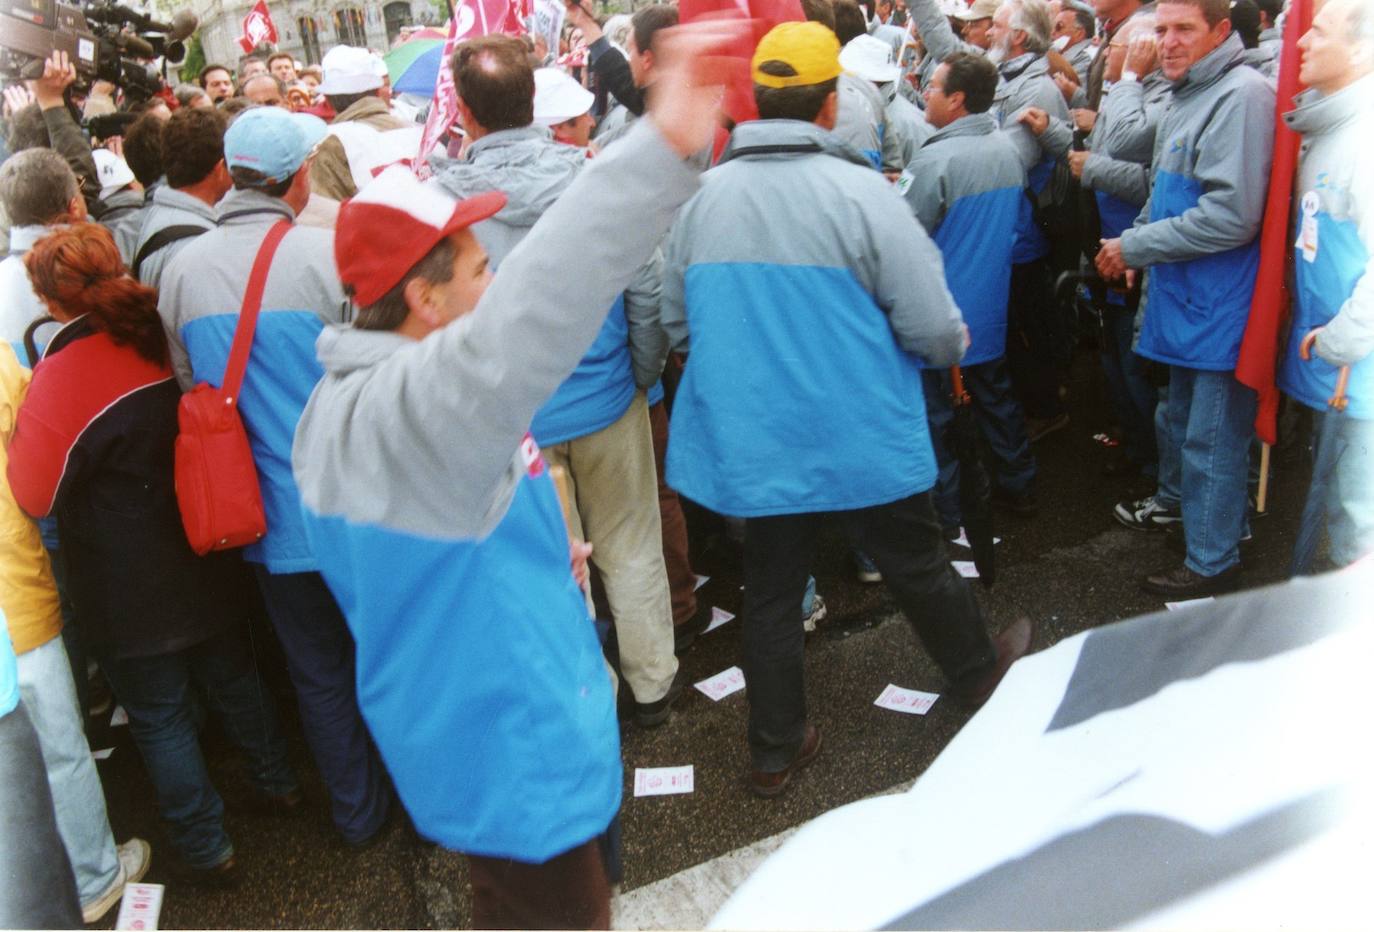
{"points": [[806, 286], [201, 295]]}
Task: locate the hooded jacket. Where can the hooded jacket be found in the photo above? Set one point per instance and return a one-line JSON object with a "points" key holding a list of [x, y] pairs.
{"points": [[201, 295], [439, 530], [93, 444], [1334, 251], [795, 255], [967, 188], [168, 207], [533, 171], [1197, 236], [1123, 143], [122, 214]]}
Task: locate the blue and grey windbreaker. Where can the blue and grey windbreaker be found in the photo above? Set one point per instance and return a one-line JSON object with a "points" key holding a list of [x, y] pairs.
{"points": [[199, 300], [533, 171], [439, 530], [967, 189], [811, 296], [1333, 253], [1197, 236]]}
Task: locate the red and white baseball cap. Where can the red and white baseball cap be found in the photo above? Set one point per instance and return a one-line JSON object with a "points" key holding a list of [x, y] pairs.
{"points": [[393, 223]]}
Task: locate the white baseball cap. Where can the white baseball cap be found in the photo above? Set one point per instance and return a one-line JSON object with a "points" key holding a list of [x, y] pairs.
{"points": [[869, 58], [112, 171], [349, 70], [558, 98]]}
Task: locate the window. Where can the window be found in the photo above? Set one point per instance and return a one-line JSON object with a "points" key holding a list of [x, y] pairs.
{"points": [[310, 39], [396, 15], [350, 28]]}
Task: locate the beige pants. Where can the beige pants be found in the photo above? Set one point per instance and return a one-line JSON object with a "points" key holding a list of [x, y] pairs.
{"points": [[615, 491]]}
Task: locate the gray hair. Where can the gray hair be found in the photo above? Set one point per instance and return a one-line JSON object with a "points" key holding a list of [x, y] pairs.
{"points": [[186, 94], [36, 186], [1033, 18]]}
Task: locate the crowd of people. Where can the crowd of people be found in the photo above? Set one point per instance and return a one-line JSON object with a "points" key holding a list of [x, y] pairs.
{"points": [[478, 404]]}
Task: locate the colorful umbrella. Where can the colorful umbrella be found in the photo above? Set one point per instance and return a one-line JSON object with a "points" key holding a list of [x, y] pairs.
{"points": [[414, 65]]}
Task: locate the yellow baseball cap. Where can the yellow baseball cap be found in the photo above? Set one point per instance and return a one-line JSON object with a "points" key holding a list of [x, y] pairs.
{"points": [[810, 48]]}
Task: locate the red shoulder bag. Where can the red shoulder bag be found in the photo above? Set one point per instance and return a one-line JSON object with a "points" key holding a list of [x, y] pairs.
{"points": [[216, 479]]}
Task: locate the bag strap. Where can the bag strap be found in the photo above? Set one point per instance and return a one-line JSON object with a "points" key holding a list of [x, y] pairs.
{"points": [[248, 314], [164, 237]]}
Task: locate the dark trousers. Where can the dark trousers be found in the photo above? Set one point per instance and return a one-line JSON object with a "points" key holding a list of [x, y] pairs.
{"points": [[903, 539], [1000, 423], [569, 891], [682, 582], [1132, 395], [157, 693], [320, 658], [37, 887], [1037, 339]]}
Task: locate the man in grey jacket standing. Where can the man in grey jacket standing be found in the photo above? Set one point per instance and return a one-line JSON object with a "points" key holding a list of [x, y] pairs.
{"points": [[596, 426], [1197, 237]]}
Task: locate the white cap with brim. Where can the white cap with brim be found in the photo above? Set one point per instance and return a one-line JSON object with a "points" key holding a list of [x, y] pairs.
{"points": [[979, 9], [350, 70], [558, 98], [112, 171], [871, 59], [272, 141]]}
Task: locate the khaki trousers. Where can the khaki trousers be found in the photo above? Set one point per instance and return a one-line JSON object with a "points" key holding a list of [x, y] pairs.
{"points": [[615, 494]]}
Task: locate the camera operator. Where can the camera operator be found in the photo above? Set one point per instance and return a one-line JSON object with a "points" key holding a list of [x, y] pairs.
{"points": [[62, 129]]}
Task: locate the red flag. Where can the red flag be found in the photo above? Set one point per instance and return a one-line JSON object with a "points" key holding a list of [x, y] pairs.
{"points": [[1257, 364], [258, 28], [443, 108], [765, 14]]}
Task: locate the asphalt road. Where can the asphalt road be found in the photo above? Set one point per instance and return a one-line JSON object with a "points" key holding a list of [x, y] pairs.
{"points": [[1069, 569]]}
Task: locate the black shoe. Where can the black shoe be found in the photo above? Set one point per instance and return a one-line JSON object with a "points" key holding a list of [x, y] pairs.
{"points": [[685, 635], [1181, 583], [223, 875], [1022, 504], [768, 784], [653, 714]]}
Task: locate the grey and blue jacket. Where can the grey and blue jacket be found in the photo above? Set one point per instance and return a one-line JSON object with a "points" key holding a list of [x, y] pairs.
{"points": [[1122, 144], [439, 530], [1334, 251], [967, 188], [793, 255], [168, 207], [861, 119], [1080, 58], [1197, 235], [199, 301], [122, 214], [1026, 82], [907, 128], [533, 171]]}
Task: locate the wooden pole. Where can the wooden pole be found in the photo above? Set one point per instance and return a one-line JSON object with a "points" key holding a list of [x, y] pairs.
{"points": [[1262, 497]]}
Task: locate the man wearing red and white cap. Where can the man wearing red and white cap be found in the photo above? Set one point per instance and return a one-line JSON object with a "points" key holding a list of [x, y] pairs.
{"points": [[437, 524], [366, 136]]}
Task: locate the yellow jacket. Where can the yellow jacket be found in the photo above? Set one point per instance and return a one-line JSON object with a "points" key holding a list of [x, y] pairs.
{"points": [[28, 594]]}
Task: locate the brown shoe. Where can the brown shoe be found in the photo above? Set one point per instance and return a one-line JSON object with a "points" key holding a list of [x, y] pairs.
{"points": [[1011, 645], [768, 785]]}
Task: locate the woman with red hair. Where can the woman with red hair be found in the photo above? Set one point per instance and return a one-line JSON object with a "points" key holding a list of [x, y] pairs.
{"points": [[93, 444]]}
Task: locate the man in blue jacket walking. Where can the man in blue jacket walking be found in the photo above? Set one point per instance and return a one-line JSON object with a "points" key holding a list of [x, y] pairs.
{"points": [[1197, 237], [832, 265]]}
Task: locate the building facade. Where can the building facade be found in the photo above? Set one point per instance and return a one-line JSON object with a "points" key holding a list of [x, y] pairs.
{"points": [[309, 28]]}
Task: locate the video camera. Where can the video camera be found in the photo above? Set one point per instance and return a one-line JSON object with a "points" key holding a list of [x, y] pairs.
{"points": [[105, 40]]}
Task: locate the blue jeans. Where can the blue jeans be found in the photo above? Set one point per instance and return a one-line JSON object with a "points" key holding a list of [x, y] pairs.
{"points": [[1168, 479], [155, 691], [1132, 396], [1000, 421], [320, 658], [1210, 423], [1342, 485]]}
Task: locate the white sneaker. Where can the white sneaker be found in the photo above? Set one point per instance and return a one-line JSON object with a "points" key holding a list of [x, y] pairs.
{"points": [[134, 857], [1146, 514], [816, 616]]}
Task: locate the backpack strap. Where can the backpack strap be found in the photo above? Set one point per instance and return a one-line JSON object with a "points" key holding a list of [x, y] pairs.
{"points": [[164, 237], [248, 314]]}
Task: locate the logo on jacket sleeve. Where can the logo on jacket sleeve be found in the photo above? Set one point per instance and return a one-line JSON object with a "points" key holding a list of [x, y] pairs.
{"points": [[533, 459]]}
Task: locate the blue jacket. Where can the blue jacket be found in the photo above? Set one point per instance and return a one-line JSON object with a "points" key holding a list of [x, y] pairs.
{"points": [[967, 188], [1197, 235], [533, 171], [199, 301], [439, 530], [1334, 252], [811, 296]]}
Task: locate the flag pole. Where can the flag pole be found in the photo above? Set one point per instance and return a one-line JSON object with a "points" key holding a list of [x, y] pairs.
{"points": [[1262, 496]]}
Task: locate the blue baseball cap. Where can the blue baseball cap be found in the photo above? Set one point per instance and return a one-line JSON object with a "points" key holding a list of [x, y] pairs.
{"points": [[273, 141]]}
